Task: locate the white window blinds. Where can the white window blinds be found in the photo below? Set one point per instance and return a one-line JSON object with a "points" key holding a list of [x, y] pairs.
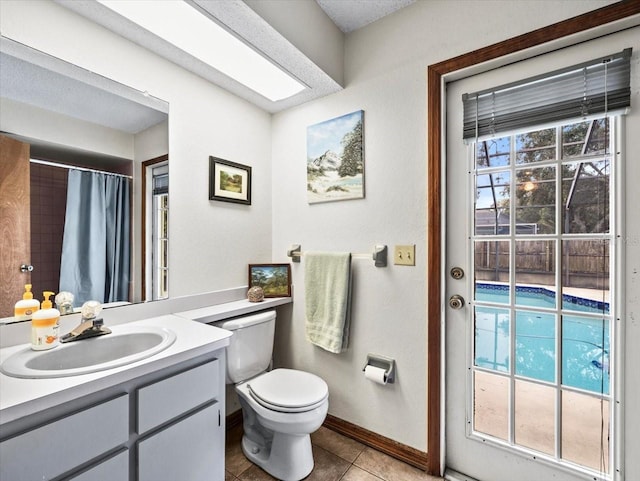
{"points": [[161, 180], [594, 87]]}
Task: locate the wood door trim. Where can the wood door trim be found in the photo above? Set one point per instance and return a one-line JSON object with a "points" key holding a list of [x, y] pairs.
{"points": [[435, 253]]}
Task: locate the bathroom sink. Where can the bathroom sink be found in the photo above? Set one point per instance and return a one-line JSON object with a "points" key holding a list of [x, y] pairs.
{"points": [[126, 344]]}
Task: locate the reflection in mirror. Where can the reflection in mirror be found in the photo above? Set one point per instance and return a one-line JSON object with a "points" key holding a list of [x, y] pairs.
{"points": [[156, 227], [96, 249], [81, 130]]}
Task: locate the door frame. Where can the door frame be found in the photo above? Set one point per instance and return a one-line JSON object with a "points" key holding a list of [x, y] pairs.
{"points": [[535, 42], [143, 218]]}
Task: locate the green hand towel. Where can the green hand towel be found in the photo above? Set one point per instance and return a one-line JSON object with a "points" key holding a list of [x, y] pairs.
{"points": [[328, 298]]}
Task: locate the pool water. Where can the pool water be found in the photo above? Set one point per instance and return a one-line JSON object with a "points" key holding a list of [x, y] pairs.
{"points": [[584, 344], [538, 297]]}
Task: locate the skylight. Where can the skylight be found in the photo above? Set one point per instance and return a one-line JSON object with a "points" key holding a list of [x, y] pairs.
{"points": [[196, 34]]}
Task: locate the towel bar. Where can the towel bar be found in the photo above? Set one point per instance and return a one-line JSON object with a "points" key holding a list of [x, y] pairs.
{"points": [[379, 254]]}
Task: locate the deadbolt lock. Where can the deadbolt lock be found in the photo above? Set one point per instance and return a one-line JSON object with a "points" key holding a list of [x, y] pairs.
{"points": [[457, 272], [456, 302]]}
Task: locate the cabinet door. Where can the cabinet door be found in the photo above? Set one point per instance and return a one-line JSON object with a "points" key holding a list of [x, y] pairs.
{"points": [[192, 449], [113, 469]]}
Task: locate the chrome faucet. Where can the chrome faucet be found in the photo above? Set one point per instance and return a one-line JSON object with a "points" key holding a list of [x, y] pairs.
{"points": [[86, 329], [91, 325]]}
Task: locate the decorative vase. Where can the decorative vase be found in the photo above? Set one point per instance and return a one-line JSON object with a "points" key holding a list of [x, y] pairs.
{"points": [[255, 294]]}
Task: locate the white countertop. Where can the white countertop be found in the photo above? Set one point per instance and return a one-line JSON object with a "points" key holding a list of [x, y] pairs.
{"points": [[228, 309], [23, 397]]}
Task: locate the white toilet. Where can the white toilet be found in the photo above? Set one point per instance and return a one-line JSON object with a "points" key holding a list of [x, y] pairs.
{"points": [[280, 408]]}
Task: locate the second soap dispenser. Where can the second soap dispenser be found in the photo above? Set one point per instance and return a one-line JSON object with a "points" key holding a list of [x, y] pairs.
{"points": [[45, 325], [26, 307]]}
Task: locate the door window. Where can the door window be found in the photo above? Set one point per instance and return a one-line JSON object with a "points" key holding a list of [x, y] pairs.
{"points": [[542, 247], [160, 232]]}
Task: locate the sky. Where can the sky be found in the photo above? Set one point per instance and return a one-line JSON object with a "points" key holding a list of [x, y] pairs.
{"points": [[327, 135]]}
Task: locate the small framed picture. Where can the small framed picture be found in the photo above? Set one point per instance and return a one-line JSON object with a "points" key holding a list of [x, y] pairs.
{"points": [[229, 182], [275, 279]]}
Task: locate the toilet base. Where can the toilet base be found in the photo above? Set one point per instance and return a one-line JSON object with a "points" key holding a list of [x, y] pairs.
{"points": [[289, 457]]}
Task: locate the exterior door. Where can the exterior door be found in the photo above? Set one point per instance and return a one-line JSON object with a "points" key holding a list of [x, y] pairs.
{"points": [[15, 223], [530, 256]]}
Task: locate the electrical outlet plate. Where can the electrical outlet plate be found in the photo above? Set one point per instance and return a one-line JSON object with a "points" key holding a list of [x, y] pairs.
{"points": [[404, 255]]}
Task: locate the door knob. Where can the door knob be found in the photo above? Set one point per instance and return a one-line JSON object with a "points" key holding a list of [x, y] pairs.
{"points": [[26, 268], [456, 302]]}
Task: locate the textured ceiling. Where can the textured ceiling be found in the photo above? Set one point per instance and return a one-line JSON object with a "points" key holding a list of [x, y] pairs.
{"points": [[350, 15], [28, 76], [37, 79], [25, 82]]}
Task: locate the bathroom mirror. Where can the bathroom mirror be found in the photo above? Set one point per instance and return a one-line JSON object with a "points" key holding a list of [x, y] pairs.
{"points": [[70, 116]]}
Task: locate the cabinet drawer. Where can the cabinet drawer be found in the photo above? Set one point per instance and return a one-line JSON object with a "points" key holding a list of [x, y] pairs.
{"points": [[176, 395], [113, 469], [57, 447]]}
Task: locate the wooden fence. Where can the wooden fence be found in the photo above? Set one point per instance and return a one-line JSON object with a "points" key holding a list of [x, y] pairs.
{"points": [[585, 262]]}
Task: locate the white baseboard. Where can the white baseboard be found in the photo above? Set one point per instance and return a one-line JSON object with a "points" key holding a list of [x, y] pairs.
{"points": [[452, 475]]}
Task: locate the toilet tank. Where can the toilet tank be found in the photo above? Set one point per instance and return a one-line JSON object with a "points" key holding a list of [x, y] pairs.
{"points": [[249, 352]]}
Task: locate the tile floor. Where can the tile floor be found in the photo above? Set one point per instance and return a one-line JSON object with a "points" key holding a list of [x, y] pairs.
{"points": [[337, 458]]}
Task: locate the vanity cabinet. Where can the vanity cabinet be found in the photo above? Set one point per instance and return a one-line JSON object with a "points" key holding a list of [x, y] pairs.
{"points": [[182, 449], [55, 448], [164, 425], [113, 469], [167, 399]]}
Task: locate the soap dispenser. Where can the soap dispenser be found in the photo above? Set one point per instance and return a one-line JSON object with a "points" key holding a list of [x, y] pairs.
{"points": [[45, 326], [26, 306]]}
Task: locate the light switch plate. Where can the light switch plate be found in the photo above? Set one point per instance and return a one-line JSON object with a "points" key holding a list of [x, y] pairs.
{"points": [[405, 255]]}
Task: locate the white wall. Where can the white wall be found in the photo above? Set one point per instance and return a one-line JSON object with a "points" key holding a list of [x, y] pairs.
{"points": [[148, 144], [33, 122], [430, 31], [151, 143], [385, 69], [388, 310], [211, 243]]}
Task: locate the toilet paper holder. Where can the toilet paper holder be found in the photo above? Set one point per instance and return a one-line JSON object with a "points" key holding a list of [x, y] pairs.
{"points": [[382, 362]]}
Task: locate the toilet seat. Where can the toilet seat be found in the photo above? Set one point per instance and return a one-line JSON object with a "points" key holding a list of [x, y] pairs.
{"points": [[288, 390]]}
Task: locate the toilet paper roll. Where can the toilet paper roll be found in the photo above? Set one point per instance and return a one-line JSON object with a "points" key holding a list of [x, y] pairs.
{"points": [[375, 374]]}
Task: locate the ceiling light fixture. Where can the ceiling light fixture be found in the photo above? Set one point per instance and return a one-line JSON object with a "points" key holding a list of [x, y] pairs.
{"points": [[190, 30]]}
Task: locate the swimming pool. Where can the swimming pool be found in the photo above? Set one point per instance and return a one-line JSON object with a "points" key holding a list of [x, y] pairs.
{"points": [[584, 344]]}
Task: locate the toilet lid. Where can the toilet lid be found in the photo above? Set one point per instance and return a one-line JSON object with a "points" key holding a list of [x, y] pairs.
{"points": [[288, 390]]}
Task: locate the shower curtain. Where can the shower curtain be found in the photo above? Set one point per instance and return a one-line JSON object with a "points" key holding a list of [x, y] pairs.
{"points": [[96, 254]]}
